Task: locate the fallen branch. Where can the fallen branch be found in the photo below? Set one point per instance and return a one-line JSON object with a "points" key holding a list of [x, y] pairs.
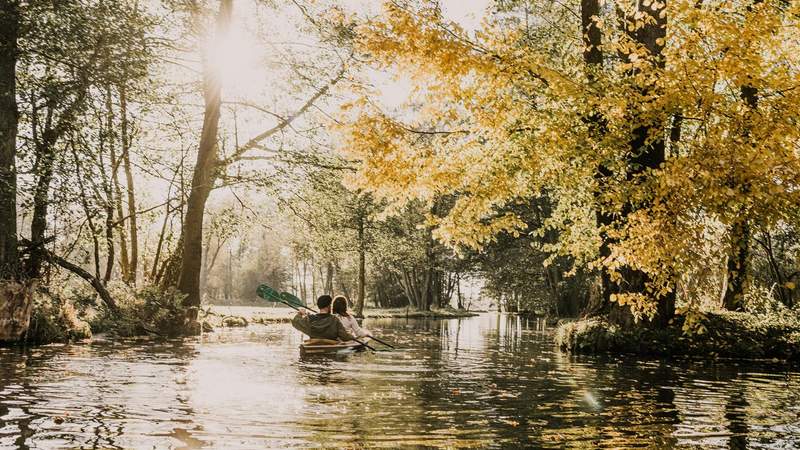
{"points": [[96, 283]]}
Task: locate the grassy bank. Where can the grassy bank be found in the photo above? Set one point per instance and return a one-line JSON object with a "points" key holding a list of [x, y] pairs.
{"points": [[726, 335], [226, 316], [404, 313]]}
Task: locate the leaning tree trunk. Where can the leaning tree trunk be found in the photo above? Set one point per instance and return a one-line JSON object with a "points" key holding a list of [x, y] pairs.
{"points": [[202, 181]]}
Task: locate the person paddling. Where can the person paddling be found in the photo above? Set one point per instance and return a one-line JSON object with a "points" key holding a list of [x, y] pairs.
{"points": [[323, 325], [350, 323]]}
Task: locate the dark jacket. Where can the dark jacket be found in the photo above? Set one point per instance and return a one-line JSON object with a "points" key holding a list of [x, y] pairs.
{"points": [[322, 326]]}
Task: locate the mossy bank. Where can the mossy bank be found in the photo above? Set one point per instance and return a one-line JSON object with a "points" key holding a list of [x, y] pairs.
{"points": [[723, 335]]}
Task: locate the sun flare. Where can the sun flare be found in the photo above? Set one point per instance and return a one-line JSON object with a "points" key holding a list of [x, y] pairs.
{"points": [[236, 57]]}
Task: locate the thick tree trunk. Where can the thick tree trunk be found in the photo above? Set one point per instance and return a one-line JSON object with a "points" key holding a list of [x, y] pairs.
{"points": [[593, 62], [647, 152], [205, 173], [736, 274], [15, 310], [9, 30]]}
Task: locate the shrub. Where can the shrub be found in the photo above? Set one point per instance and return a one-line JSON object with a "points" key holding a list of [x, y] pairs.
{"points": [[55, 319], [726, 334], [149, 310]]}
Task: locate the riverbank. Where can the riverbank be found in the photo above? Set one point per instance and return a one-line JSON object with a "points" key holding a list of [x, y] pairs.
{"points": [[239, 316], [723, 335]]}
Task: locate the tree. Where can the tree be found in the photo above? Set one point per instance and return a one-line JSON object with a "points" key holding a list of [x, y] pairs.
{"points": [[55, 83], [210, 167], [637, 134]]}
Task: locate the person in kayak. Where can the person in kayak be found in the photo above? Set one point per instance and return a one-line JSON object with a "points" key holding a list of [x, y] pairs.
{"points": [[350, 323], [323, 325]]}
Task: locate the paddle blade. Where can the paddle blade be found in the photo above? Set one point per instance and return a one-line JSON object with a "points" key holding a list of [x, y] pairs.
{"points": [[292, 300], [268, 294]]}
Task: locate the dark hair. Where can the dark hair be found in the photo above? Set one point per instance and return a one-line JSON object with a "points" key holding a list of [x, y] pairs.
{"points": [[340, 306], [323, 301]]}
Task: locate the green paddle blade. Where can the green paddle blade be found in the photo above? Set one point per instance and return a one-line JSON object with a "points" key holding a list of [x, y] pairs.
{"points": [[268, 294], [292, 300]]}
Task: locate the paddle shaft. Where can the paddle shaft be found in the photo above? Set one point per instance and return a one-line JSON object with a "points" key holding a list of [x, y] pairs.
{"points": [[317, 312], [382, 342]]}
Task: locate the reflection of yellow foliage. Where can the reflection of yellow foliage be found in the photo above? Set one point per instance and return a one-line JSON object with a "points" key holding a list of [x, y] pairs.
{"points": [[504, 121]]}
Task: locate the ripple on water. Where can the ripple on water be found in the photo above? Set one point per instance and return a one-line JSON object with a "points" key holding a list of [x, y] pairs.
{"points": [[483, 382]]}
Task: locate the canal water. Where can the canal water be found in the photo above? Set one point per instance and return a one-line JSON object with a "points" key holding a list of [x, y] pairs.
{"points": [[492, 381]]}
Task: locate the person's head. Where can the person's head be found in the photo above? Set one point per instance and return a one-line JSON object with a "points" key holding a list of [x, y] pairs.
{"points": [[340, 305], [324, 303]]}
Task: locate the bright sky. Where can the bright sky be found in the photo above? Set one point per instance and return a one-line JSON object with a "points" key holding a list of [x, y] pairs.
{"points": [[244, 59], [255, 61]]}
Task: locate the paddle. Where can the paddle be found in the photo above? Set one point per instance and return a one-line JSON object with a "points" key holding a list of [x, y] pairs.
{"points": [[271, 295]]}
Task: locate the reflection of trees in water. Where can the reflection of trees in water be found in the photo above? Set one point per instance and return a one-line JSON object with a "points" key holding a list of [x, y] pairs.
{"points": [[615, 403], [15, 363], [329, 385], [94, 413], [736, 413]]}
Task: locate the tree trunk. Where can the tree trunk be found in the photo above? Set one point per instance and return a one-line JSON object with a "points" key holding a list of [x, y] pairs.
{"points": [[646, 153], [202, 181], [15, 309], [329, 278], [303, 287], [89, 213], [9, 30], [43, 170], [362, 278], [593, 62], [124, 261], [133, 263], [154, 271], [460, 300], [736, 274]]}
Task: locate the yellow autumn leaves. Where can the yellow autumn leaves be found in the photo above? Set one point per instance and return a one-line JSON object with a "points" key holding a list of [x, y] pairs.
{"points": [[500, 116]]}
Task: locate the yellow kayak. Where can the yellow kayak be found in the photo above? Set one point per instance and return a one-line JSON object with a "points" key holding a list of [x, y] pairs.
{"points": [[330, 346]]}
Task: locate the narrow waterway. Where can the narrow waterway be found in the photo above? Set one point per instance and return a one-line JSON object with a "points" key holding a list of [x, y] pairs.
{"points": [[488, 381]]}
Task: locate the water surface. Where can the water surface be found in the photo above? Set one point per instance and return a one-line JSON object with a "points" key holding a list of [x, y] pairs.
{"points": [[490, 381]]}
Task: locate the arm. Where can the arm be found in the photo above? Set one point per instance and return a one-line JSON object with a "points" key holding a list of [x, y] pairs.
{"points": [[342, 332], [300, 322], [356, 329]]}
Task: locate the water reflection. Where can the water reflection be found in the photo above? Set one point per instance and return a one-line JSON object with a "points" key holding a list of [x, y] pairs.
{"points": [[491, 381]]}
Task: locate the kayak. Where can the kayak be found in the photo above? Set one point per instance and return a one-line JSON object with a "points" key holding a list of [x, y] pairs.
{"points": [[330, 346]]}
